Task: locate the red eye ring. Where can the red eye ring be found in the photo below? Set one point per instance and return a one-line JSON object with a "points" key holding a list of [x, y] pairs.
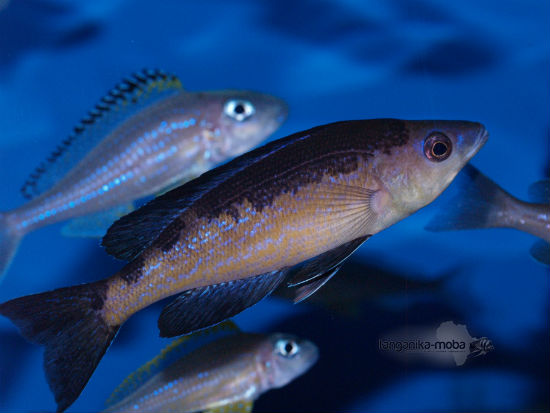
{"points": [[437, 147]]}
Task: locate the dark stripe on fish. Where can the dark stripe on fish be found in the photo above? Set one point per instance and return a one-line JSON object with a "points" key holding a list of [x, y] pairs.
{"points": [[259, 176]]}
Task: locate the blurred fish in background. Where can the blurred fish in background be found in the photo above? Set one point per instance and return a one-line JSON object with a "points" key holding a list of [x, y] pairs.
{"points": [[146, 135], [481, 203], [225, 374], [360, 282]]}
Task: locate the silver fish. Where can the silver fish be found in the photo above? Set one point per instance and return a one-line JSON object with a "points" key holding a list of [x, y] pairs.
{"points": [[227, 374], [146, 135], [481, 203]]}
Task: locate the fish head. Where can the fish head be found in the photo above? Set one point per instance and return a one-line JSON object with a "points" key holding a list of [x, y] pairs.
{"points": [[428, 156], [241, 120], [287, 357]]}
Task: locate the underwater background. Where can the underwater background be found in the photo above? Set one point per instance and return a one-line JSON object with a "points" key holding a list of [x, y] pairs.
{"points": [[486, 61]]}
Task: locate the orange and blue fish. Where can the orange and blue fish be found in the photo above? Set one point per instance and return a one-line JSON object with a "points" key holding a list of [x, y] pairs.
{"points": [[147, 135], [290, 211]]}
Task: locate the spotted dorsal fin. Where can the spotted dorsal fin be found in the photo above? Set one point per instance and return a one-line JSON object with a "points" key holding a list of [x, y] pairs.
{"points": [[124, 100], [170, 354]]}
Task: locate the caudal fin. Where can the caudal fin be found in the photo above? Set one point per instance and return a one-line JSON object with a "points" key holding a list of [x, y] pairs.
{"points": [[476, 205], [68, 322], [9, 241]]}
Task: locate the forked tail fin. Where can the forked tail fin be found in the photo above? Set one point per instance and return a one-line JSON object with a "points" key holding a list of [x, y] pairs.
{"points": [[68, 322], [9, 241], [476, 205]]}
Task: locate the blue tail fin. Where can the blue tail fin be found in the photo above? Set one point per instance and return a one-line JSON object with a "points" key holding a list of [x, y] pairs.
{"points": [[476, 205], [9, 241]]}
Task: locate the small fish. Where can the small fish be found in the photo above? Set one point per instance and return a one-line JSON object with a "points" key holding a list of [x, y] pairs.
{"points": [[481, 203], [481, 347], [225, 375], [293, 210], [359, 282], [146, 135]]}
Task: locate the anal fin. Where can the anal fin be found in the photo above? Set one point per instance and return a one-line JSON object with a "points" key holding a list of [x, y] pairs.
{"points": [[206, 306], [95, 225]]}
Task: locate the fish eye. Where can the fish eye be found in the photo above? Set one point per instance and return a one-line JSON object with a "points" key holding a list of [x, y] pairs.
{"points": [[437, 147], [286, 348], [238, 109]]}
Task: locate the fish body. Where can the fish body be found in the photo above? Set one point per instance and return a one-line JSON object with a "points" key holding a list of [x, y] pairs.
{"points": [[228, 373], [150, 135], [293, 209], [481, 203]]}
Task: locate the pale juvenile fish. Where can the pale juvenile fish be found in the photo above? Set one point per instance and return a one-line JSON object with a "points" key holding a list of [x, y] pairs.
{"points": [[224, 375], [293, 209], [146, 135], [481, 203]]}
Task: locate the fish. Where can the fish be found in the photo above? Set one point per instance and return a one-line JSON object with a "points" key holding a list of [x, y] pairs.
{"points": [[292, 210], [479, 202], [226, 374], [146, 135], [359, 282]]}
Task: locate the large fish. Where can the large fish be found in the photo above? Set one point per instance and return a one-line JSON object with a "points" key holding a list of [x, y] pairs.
{"points": [[293, 209], [146, 135], [481, 203], [224, 375]]}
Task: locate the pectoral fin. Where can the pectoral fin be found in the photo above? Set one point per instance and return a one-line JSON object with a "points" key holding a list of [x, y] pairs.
{"points": [[96, 225], [206, 306]]}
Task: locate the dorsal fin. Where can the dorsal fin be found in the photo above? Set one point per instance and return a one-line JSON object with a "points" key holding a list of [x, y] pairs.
{"points": [[124, 100], [134, 232], [170, 354]]}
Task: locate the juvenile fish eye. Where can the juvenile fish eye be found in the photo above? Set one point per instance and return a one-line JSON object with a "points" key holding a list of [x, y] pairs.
{"points": [[239, 110], [287, 348], [437, 147]]}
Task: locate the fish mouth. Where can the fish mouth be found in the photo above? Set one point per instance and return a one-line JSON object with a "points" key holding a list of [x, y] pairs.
{"points": [[481, 139]]}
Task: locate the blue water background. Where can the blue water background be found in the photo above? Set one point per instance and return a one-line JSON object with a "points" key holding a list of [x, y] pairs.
{"points": [[487, 61]]}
